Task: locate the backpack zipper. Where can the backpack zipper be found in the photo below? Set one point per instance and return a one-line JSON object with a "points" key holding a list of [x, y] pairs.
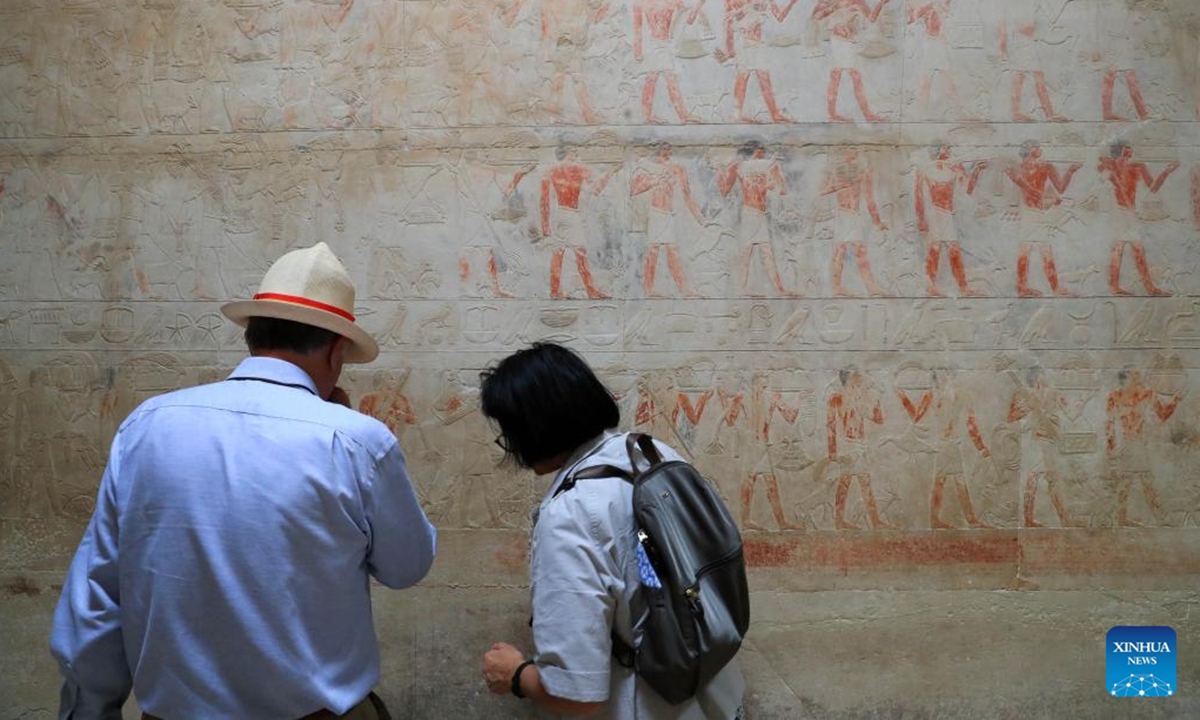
{"points": [[693, 593]]}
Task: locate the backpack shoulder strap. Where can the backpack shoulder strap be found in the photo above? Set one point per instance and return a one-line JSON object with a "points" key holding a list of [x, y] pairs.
{"points": [[645, 443], [594, 472]]}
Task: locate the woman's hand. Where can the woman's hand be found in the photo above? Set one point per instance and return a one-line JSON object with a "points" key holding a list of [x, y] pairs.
{"points": [[499, 663]]}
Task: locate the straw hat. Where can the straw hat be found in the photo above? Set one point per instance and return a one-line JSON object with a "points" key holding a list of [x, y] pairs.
{"points": [[309, 286]]}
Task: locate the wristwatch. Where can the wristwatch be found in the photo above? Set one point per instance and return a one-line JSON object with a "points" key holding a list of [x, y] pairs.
{"points": [[516, 678]]}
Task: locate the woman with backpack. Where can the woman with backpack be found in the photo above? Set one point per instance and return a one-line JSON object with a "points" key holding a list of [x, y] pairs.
{"points": [[591, 578]]}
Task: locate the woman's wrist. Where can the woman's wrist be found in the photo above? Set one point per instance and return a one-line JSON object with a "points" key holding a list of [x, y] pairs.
{"points": [[516, 677]]}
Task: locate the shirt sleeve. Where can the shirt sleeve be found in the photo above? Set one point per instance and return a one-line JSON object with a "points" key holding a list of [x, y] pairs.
{"points": [[86, 635], [403, 542], [576, 582]]}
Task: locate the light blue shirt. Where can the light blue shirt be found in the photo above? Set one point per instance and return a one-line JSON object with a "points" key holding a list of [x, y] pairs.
{"points": [[584, 572], [225, 572]]}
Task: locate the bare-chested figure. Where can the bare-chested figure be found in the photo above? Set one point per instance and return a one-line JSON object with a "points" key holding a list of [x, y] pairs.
{"points": [[846, 423], [758, 175], [656, 53], [1039, 208], [662, 178], [745, 19], [562, 218], [850, 182], [1125, 175], [845, 20], [938, 181], [1126, 441]]}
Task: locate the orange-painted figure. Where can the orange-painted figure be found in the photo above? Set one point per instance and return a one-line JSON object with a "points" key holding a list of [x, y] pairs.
{"points": [[1121, 30], [846, 426], [661, 178], [1120, 169], [758, 175], [782, 451], [562, 218], [939, 180], [656, 54], [851, 183], [565, 28], [1039, 213], [745, 19], [947, 409], [1023, 52], [845, 20], [933, 18], [1126, 441], [1041, 406], [488, 250]]}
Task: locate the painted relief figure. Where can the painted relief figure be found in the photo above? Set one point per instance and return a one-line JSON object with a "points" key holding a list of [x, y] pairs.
{"points": [[654, 51], [1119, 32], [565, 28], [947, 409], [933, 20], [1125, 175], [661, 178], [849, 409], [488, 191], [471, 468], [758, 175], [1127, 445], [775, 414], [1020, 44], [1039, 210], [563, 188], [728, 437], [845, 20], [1041, 407], [938, 182], [745, 20], [851, 182]]}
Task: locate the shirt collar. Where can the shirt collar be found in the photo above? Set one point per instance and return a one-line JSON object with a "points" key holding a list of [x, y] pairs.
{"points": [[273, 370], [581, 453]]}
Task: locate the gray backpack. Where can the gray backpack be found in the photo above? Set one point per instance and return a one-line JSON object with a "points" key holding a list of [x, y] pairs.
{"points": [[693, 606]]}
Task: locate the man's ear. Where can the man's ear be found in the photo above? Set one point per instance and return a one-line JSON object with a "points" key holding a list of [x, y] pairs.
{"points": [[337, 353]]}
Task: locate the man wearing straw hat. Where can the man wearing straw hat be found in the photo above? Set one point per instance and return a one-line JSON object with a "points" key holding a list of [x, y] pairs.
{"points": [[225, 572]]}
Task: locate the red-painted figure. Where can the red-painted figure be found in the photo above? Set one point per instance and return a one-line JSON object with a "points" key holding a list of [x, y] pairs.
{"points": [[1041, 407], [562, 218], [565, 28], [745, 19], [1023, 52], [758, 175], [1039, 212], [1125, 175], [656, 53], [932, 19], [851, 183], [846, 426], [947, 408], [845, 20], [662, 178], [1126, 442], [938, 181], [774, 417]]}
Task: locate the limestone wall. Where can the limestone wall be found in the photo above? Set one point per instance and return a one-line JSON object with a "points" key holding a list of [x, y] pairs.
{"points": [[915, 282]]}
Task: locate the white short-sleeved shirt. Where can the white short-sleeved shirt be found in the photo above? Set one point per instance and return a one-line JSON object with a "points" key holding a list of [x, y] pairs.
{"points": [[583, 571]]}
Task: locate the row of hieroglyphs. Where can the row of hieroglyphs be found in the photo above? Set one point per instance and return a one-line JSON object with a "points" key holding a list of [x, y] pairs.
{"points": [[73, 67], [910, 444], [980, 326], [611, 220]]}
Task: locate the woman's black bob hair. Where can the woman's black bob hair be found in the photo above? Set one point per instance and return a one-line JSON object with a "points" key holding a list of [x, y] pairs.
{"points": [[547, 402]]}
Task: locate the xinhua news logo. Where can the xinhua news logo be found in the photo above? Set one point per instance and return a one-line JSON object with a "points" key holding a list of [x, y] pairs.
{"points": [[1141, 661]]}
